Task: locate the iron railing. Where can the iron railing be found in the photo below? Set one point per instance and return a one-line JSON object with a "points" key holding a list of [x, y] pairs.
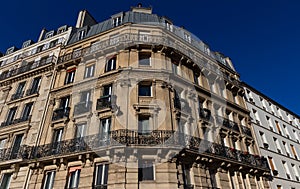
{"points": [[227, 123], [15, 121], [104, 102], [60, 113], [82, 107], [205, 113], [28, 67], [23, 152]]}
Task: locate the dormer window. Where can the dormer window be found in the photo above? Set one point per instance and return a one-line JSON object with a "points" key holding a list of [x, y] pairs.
{"points": [[62, 29], [49, 34], [26, 44], [187, 37], [206, 50], [169, 26], [10, 50], [81, 34], [117, 21]]}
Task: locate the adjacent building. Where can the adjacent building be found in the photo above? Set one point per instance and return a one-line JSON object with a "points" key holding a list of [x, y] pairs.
{"points": [[131, 102], [277, 133]]}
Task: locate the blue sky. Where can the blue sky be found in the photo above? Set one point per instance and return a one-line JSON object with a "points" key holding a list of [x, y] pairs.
{"points": [[260, 36]]}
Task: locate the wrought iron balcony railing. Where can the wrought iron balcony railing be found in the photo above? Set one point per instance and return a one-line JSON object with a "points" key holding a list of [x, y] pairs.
{"points": [[17, 95], [28, 67], [246, 130], [60, 113], [104, 102], [204, 113], [82, 107], [227, 123], [10, 153], [15, 121]]}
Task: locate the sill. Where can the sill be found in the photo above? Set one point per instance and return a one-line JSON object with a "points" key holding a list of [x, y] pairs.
{"points": [[23, 98]]}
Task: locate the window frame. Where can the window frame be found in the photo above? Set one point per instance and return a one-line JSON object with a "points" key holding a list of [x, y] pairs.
{"points": [[89, 71], [8, 180], [51, 180], [147, 87], [104, 175], [145, 58]]}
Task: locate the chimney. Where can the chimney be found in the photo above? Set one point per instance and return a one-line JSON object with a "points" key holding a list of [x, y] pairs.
{"points": [[85, 19], [139, 8], [42, 34]]}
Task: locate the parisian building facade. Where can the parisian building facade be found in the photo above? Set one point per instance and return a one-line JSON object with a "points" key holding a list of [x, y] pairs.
{"points": [[277, 132], [131, 102]]}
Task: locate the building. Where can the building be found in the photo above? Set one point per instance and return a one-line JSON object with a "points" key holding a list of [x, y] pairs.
{"points": [[136, 102], [25, 80], [277, 132]]}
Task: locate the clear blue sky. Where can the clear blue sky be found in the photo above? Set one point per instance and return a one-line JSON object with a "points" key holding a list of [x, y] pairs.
{"points": [[260, 36]]}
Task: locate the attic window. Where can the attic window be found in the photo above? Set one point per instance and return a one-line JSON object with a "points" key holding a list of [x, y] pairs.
{"points": [[10, 50], [117, 21], [169, 25], [26, 43], [81, 34], [49, 34], [187, 37], [61, 29]]}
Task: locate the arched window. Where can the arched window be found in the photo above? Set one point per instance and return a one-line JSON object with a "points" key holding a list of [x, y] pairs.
{"points": [[111, 64]]}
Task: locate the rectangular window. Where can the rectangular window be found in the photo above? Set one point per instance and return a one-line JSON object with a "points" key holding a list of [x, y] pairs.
{"points": [[80, 130], [144, 59], [81, 34], [187, 37], [70, 76], [145, 89], [64, 102], [105, 126], [278, 127], [19, 92], [27, 111], [58, 134], [34, 86], [263, 139], [271, 163], [89, 71], [175, 68], [107, 90], [196, 78], [186, 175], [117, 21], [144, 125], [5, 181], [286, 169], [296, 136], [49, 179], [293, 151], [11, 115], [74, 176], [16, 146], [286, 149], [85, 97], [101, 176], [145, 171], [2, 143], [277, 144], [296, 172]]}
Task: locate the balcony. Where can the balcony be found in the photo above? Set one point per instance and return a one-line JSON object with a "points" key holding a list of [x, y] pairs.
{"points": [[157, 138], [246, 131], [26, 68], [9, 153], [61, 113], [32, 91], [17, 96], [82, 107], [227, 123], [15, 121], [205, 114], [104, 102], [100, 187]]}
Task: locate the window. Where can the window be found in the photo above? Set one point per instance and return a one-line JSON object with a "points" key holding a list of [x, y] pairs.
{"points": [[286, 169], [49, 34], [270, 123], [296, 172], [11, 115], [19, 92], [61, 29], [57, 137], [80, 130], [175, 68], [145, 89], [169, 26], [146, 170], [74, 176], [64, 102], [296, 135], [111, 64], [277, 144], [85, 97], [107, 90], [89, 71], [117, 21], [70, 76], [263, 139], [256, 116], [196, 77], [34, 86], [187, 37], [273, 168], [105, 125], [294, 151], [16, 146], [2, 143], [144, 59], [81, 34], [26, 44], [49, 179], [286, 148], [27, 111], [53, 43], [5, 181], [287, 133], [101, 176], [278, 127], [186, 175], [143, 125]]}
